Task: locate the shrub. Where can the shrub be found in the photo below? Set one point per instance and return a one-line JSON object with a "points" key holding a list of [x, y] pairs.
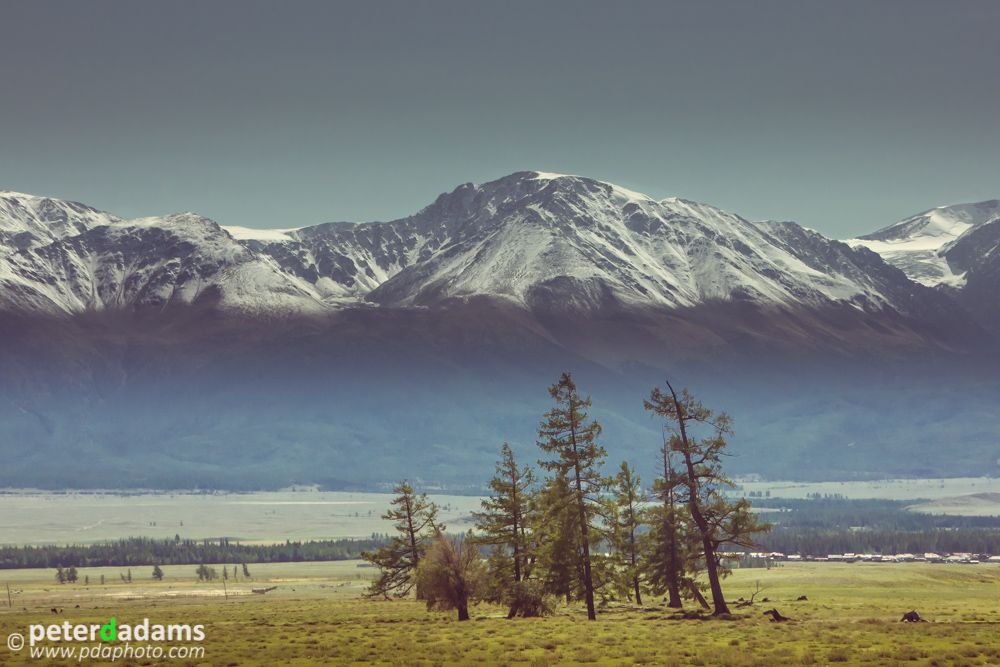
{"points": [[528, 599]]}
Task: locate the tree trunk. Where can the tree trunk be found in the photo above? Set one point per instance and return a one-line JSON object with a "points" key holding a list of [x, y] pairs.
{"points": [[697, 595], [673, 585], [711, 565], [634, 549], [588, 581], [463, 611]]}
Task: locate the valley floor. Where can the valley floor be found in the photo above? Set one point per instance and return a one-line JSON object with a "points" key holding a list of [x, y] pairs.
{"points": [[82, 517], [316, 616]]}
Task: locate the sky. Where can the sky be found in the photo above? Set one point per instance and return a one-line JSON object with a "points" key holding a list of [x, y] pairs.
{"points": [[842, 116]]}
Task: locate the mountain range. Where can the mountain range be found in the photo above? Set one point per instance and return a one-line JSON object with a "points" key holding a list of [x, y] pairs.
{"points": [[171, 351]]}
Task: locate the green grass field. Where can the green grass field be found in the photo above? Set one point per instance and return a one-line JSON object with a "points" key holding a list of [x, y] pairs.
{"points": [[316, 616]]}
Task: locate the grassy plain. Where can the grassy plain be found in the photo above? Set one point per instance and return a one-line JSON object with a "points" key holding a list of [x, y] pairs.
{"points": [[316, 616], [887, 489], [75, 517], [82, 517], [976, 504]]}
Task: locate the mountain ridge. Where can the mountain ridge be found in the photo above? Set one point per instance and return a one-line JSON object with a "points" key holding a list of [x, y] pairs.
{"points": [[543, 242]]}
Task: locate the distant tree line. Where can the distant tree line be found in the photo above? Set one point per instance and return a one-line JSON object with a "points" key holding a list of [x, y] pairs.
{"points": [[943, 541], [869, 514], [820, 526], [136, 551], [575, 533]]}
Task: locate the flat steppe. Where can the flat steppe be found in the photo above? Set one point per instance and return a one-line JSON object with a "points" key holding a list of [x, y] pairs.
{"points": [[316, 615]]}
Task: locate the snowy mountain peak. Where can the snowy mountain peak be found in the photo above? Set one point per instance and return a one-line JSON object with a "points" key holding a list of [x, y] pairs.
{"points": [[945, 222], [28, 220], [919, 244]]}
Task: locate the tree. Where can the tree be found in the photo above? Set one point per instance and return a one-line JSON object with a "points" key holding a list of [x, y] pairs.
{"points": [[451, 573], [72, 575], [157, 573], [670, 547], [566, 433], [60, 575], [558, 551], [415, 518], [717, 520], [503, 526], [628, 499], [246, 572]]}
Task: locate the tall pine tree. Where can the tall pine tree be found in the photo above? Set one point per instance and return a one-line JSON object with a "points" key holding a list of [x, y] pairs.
{"points": [[566, 433], [558, 551], [628, 499], [669, 554], [717, 520], [503, 525], [415, 518]]}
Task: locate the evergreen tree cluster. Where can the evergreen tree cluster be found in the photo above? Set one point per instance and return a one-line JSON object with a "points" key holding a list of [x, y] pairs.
{"points": [[571, 532], [941, 541]]}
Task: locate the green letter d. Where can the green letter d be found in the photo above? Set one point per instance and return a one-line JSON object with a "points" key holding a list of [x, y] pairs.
{"points": [[108, 631]]}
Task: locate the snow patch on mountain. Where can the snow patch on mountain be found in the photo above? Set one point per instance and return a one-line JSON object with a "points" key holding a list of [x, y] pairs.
{"points": [[247, 234]]}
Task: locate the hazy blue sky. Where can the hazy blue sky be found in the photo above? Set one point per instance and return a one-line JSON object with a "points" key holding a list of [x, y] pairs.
{"points": [[842, 116]]}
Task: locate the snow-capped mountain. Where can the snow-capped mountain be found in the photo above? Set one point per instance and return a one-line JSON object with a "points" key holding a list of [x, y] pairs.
{"points": [[955, 249], [60, 257], [533, 236], [919, 245], [537, 242]]}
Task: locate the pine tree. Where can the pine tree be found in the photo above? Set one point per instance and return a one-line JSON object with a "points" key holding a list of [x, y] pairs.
{"points": [[670, 547], [566, 433], [246, 572], [627, 502], [157, 573], [558, 548], [717, 520], [72, 575], [60, 575], [503, 525], [415, 518]]}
